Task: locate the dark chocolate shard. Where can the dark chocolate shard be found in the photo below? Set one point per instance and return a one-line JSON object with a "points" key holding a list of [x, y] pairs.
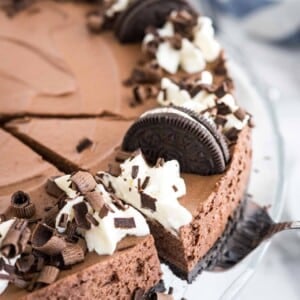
{"points": [[90, 218], [80, 211], [124, 223], [84, 144], [84, 181], [134, 172], [145, 182], [148, 202], [52, 189], [131, 24]]}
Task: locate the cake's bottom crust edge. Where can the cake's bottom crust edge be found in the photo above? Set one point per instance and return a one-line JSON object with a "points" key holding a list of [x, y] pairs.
{"points": [[210, 259]]}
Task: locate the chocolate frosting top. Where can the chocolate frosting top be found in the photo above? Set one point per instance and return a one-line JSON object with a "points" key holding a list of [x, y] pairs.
{"points": [[52, 62]]}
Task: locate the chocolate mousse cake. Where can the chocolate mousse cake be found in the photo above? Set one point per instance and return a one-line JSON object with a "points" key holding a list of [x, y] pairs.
{"points": [[120, 133]]}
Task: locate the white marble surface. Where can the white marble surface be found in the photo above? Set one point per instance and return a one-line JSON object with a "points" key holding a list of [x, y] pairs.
{"points": [[278, 69]]}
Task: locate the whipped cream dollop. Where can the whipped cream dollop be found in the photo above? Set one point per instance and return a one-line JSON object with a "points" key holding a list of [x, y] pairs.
{"points": [[107, 229], [4, 228], [190, 53], [203, 102], [152, 190]]}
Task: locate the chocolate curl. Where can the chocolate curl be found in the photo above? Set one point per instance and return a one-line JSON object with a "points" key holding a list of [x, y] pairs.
{"points": [[71, 231], [84, 181], [95, 199], [48, 275], [25, 263], [44, 240], [21, 205], [72, 254], [80, 210], [16, 239]]}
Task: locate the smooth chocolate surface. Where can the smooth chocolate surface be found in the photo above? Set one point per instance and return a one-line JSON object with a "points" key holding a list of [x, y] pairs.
{"points": [[62, 136], [65, 70]]}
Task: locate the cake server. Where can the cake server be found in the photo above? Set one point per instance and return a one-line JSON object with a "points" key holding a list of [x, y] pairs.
{"points": [[254, 227]]}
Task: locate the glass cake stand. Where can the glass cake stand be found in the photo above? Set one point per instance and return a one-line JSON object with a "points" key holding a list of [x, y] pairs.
{"points": [[267, 185]]}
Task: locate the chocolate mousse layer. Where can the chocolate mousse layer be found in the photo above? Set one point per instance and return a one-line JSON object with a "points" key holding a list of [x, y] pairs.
{"points": [[134, 265], [66, 70], [212, 200], [71, 143]]}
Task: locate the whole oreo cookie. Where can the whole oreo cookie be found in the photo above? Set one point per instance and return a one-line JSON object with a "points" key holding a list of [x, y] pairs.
{"points": [[178, 133], [131, 24]]}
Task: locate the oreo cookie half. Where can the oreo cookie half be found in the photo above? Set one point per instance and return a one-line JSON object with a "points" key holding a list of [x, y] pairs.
{"points": [[178, 133], [131, 24]]}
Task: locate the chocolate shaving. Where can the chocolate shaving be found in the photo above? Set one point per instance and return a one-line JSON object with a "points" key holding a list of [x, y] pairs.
{"points": [[44, 240], [220, 120], [148, 202], [21, 205], [90, 218], [176, 41], [82, 244], [114, 169], [117, 202], [48, 275], [240, 114], [72, 254], [134, 171], [25, 263], [80, 211], [174, 187], [63, 220], [71, 231], [124, 223], [160, 162], [16, 239], [52, 189], [149, 73], [84, 144], [95, 199], [121, 156], [223, 109], [104, 211], [232, 134], [84, 181]]}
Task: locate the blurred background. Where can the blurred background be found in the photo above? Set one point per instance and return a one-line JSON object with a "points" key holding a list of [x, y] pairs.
{"points": [[266, 34]]}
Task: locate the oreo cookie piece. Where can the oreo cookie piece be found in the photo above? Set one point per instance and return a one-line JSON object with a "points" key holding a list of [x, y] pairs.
{"points": [[132, 23], [178, 133]]}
